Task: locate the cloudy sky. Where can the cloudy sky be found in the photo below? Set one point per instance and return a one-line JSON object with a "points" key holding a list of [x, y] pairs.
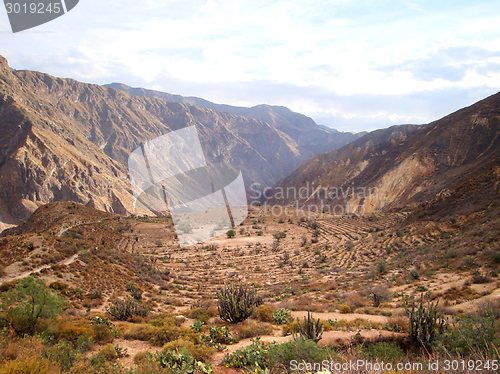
{"points": [[349, 64]]}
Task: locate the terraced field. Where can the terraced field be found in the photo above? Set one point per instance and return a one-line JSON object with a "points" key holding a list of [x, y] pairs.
{"points": [[314, 248], [316, 259]]}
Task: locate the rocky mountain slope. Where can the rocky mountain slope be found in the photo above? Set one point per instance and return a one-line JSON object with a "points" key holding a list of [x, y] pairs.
{"points": [[302, 129], [66, 140], [453, 163]]}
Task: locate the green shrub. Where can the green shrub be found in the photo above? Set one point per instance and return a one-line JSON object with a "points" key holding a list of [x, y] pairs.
{"points": [[236, 302], [251, 356], [219, 335], [29, 302], [64, 354], [301, 350], [384, 351], [282, 316], [181, 362], [473, 334], [495, 257], [381, 268], [231, 233], [197, 325], [200, 314]]}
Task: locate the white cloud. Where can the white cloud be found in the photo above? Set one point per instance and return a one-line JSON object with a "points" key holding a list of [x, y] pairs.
{"points": [[326, 53]]}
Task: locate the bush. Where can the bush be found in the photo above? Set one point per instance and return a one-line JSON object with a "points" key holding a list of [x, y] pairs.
{"points": [[237, 303], [141, 357], [278, 236], [108, 352], [263, 313], [282, 316], [231, 233], [251, 329], [181, 362], [163, 331], [69, 331], [345, 309], [200, 352], [200, 314], [477, 334], [251, 356], [495, 257], [219, 335], [65, 354], [381, 268], [185, 227], [124, 310], [31, 365], [102, 334], [301, 350], [384, 351], [290, 328]]}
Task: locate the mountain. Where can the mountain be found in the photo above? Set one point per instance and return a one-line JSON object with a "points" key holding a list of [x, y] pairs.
{"points": [[302, 129], [448, 166], [66, 140]]}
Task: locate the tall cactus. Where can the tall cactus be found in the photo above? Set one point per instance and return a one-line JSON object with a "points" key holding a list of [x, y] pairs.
{"points": [[423, 321], [236, 303], [310, 328]]}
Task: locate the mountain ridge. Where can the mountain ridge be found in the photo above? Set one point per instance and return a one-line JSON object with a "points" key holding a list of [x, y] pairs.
{"points": [[411, 166], [67, 140], [302, 129]]}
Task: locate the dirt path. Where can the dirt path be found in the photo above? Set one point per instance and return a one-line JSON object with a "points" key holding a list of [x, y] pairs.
{"points": [[63, 230], [9, 278], [340, 316]]}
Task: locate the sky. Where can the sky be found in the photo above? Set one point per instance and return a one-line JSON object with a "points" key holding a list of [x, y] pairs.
{"points": [[353, 65]]}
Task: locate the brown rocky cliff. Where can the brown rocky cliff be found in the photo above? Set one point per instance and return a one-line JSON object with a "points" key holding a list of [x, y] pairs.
{"points": [[66, 140]]}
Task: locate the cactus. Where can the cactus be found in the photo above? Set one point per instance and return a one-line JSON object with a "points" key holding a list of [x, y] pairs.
{"points": [[310, 328], [123, 310], [424, 321], [236, 303]]}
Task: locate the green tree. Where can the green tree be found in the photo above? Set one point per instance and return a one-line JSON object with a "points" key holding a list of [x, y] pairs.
{"points": [[231, 233], [29, 302]]}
